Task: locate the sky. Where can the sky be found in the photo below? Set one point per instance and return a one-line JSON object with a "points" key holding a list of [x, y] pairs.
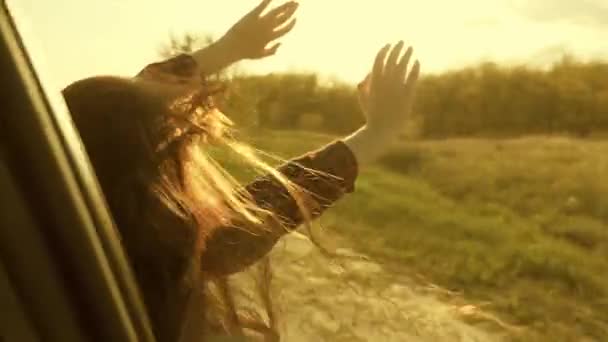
{"points": [[336, 38]]}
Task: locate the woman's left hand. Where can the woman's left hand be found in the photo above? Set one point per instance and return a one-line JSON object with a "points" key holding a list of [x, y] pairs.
{"points": [[250, 36], [386, 97]]}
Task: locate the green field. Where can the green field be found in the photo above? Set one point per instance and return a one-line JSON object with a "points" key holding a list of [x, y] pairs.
{"points": [[519, 227]]}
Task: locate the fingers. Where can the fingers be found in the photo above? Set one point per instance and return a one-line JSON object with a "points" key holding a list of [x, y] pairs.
{"points": [[365, 83], [257, 11], [280, 11], [363, 86], [392, 71], [271, 51], [280, 16], [401, 68], [393, 68], [363, 89], [412, 78], [378, 70], [391, 62], [283, 30], [283, 17]]}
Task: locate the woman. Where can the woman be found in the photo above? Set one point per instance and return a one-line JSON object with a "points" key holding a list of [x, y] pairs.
{"points": [[185, 223]]}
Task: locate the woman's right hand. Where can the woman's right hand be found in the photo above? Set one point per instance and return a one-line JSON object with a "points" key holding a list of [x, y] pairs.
{"points": [[386, 97], [253, 35]]}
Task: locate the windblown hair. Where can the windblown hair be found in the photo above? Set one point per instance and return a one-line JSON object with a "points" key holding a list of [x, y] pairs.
{"points": [[167, 195]]}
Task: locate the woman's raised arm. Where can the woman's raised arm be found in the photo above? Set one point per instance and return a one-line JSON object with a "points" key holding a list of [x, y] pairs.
{"points": [[386, 96], [250, 38]]}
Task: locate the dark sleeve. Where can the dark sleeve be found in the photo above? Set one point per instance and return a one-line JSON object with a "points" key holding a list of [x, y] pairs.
{"points": [[326, 174]]}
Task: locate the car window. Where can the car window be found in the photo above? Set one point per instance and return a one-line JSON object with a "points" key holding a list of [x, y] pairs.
{"points": [[486, 220]]}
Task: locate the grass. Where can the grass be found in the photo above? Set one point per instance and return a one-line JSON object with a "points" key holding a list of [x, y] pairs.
{"points": [[521, 225]]}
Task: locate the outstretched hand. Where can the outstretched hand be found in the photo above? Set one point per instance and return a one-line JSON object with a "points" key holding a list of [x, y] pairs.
{"points": [[387, 94], [386, 97], [251, 36]]}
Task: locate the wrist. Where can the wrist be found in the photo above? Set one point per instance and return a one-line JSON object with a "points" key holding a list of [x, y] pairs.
{"points": [[367, 145], [215, 57], [226, 48]]}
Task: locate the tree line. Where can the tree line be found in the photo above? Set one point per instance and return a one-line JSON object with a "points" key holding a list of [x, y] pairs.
{"points": [[570, 97]]}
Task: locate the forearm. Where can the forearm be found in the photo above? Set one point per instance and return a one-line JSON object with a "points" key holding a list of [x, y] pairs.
{"points": [[325, 175], [322, 176], [214, 57]]}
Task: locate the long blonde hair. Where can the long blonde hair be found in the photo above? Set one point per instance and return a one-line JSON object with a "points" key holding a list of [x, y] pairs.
{"points": [[168, 195]]}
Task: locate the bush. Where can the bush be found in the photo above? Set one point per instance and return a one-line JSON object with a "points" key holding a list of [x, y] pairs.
{"points": [[405, 159]]}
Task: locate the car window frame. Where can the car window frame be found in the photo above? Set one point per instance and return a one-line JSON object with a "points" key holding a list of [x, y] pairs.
{"points": [[58, 245]]}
